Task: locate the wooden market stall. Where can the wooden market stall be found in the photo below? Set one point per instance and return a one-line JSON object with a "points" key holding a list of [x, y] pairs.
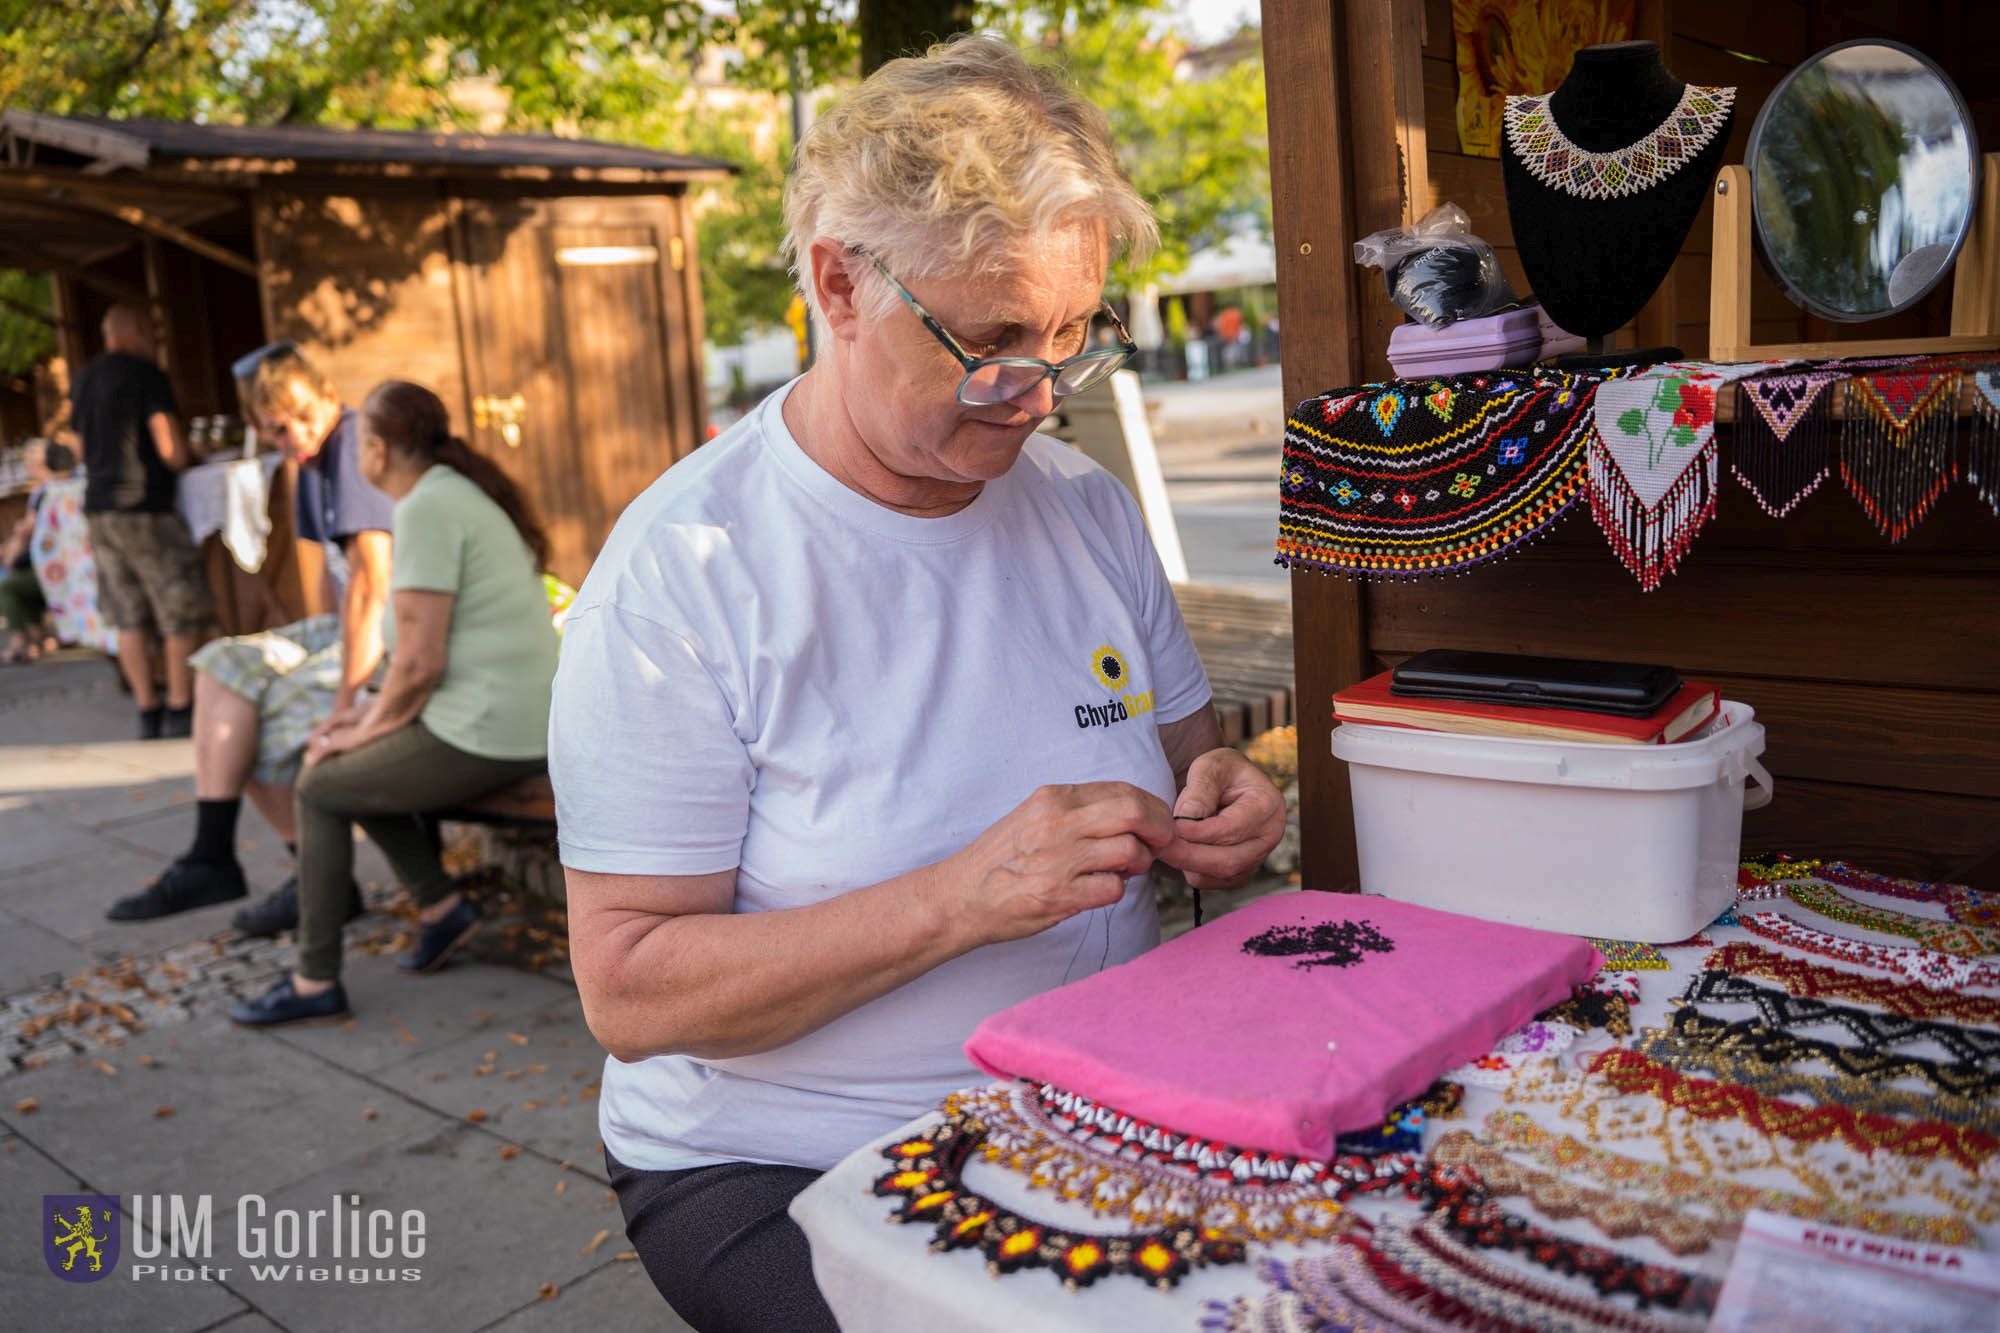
{"points": [[1876, 667], [547, 288]]}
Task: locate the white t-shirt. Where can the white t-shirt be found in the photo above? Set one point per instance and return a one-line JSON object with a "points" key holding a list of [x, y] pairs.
{"points": [[767, 671]]}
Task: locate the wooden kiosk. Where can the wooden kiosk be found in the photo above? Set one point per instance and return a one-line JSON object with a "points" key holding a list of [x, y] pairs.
{"points": [[546, 288], [1876, 667]]}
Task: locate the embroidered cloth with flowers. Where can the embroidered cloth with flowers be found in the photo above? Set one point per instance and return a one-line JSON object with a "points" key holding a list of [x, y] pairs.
{"points": [[1288, 1022]]}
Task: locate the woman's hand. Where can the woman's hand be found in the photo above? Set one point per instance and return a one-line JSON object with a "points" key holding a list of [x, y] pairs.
{"points": [[336, 740], [1227, 820], [343, 716], [1064, 850]]}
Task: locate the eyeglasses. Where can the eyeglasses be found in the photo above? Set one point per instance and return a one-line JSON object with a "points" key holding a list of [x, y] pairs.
{"points": [[1001, 379]]}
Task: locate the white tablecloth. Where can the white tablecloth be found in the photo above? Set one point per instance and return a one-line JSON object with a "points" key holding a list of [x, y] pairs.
{"points": [[230, 496], [879, 1276]]}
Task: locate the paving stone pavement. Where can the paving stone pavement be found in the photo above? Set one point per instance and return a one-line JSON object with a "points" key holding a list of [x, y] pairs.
{"points": [[469, 1095]]}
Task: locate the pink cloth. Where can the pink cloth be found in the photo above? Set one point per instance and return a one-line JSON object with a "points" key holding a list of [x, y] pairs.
{"points": [[1294, 1019]]}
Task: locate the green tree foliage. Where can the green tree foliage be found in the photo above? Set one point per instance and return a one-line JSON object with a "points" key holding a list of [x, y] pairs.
{"points": [[621, 69], [1195, 147], [24, 340]]}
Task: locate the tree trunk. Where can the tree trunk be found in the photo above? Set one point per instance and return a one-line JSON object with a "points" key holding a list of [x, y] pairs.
{"points": [[892, 28]]}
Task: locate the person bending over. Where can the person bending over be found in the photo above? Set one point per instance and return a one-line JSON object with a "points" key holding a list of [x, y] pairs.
{"points": [[876, 711], [260, 697]]}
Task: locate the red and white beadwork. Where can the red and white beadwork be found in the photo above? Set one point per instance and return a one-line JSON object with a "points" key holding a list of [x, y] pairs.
{"points": [[1551, 158]]}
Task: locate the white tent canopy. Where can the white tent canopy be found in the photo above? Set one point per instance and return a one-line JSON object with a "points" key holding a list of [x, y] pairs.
{"points": [[1240, 261]]}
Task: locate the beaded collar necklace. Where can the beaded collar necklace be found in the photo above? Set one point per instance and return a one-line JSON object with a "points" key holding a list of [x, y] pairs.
{"points": [[1555, 161]]}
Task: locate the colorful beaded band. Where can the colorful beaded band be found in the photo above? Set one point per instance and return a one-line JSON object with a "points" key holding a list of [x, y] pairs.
{"points": [[1461, 1204], [1625, 985], [1613, 1214], [1803, 977], [1429, 1267], [1111, 1131], [1240, 1194], [926, 1173], [1630, 1072], [1926, 967], [1727, 1199], [1961, 902], [1967, 940], [1871, 1031], [1688, 1047], [1729, 1148]]}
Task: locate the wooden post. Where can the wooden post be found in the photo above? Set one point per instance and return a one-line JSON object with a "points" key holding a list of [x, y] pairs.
{"points": [[1975, 291], [1729, 267], [1312, 217]]}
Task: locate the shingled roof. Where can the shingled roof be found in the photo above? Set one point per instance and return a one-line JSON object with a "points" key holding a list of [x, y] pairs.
{"points": [[186, 147]]}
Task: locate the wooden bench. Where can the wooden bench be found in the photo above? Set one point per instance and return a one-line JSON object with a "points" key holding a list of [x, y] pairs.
{"points": [[1245, 643]]}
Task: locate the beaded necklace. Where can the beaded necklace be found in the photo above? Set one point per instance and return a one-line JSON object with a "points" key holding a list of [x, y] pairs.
{"points": [[1926, 967], [1435, 1270], [1630, 1072], [1801, 977], [1966, 939], [1727, 1199], [1551, 158], [1961, 902], [1245, 1195], [1688, 1048], [1499, 1295], [1462, 1206], [1613, 1214], [1728, 1148], [1871, 1031], [926, 1172]]}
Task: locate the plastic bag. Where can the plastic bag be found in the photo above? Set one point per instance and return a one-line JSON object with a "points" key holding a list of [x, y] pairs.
{"points": [[1437, 270]]}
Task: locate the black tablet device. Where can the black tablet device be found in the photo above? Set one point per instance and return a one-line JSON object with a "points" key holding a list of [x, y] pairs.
{"points": [[1626, 689]]}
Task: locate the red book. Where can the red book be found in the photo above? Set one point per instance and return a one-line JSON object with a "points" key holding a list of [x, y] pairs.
{"points": [[1372, 702]]}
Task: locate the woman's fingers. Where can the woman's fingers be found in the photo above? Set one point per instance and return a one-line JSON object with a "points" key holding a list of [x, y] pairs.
{"points": [[1106, 809]]}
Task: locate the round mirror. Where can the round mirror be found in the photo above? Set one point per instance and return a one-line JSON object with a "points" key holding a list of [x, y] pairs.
{"points": [[1864, 167]]}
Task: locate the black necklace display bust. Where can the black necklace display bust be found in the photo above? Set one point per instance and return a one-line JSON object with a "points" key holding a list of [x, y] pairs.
{"points": [[1604, 179]]}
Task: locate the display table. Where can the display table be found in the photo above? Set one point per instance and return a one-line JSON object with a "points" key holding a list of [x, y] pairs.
{"points": [[880, 1274], [239, 513]]}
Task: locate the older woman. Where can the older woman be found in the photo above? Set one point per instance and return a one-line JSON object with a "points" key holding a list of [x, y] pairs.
{"points": [[464, 708], [874, 714]]}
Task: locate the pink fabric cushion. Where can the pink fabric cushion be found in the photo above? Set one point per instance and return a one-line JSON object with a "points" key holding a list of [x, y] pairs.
{"points": [[1294, 1019]]}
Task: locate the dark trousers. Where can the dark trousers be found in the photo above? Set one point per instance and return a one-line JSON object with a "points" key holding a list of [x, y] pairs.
{"points": [[383, 786], [717, 1242]]}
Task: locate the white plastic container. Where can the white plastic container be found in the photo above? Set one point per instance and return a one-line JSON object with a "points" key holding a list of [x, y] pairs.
{"points": [[1630, 842]]}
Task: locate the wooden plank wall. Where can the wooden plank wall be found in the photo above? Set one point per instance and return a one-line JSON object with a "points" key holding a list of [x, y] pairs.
{"points": [[1875, 667], [363, 284]]}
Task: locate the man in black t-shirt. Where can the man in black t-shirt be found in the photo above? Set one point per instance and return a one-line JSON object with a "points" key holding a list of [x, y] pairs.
{"points": [[149, 576]]}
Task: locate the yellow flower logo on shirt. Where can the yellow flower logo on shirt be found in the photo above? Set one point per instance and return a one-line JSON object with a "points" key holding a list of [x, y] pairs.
{"points": [[1109, 667]]}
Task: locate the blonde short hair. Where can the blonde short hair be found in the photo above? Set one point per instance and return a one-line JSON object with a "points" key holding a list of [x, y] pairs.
{"points": [[954, 162], [277, 373]]}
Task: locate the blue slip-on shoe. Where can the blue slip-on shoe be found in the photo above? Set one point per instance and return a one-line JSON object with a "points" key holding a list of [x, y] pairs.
{"points": [[282, 1004], [440, 939]]}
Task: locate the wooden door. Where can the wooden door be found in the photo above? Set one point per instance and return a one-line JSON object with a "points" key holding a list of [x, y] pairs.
{"points": [[574, 324]]}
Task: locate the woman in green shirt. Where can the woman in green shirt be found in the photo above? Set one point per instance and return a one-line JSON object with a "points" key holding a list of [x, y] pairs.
{"points": [[464, 708]]}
